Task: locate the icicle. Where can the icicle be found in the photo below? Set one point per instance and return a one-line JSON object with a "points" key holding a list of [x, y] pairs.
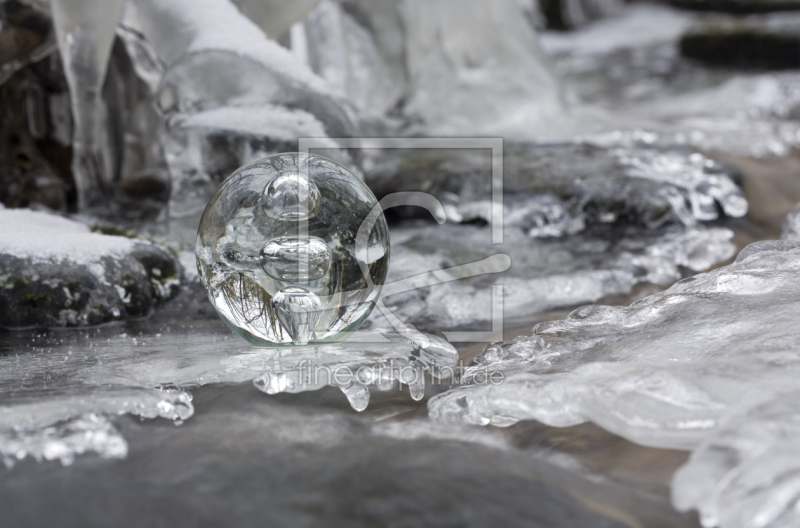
{"points": [[358, 395], [276, 18], [85, 31]]}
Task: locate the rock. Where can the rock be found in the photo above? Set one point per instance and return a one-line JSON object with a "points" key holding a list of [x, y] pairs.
{"points": [[25, 36], [755, 43], [551, 190], [56, 272], [738, 6], [564, 15]]}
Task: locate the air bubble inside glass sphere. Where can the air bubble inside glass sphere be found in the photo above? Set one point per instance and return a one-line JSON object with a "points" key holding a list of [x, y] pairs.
{"points": [[296, 258], [292, 249]]}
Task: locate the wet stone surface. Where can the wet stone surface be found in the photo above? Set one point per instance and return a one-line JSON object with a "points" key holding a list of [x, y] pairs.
{"points": [[757, 43]]}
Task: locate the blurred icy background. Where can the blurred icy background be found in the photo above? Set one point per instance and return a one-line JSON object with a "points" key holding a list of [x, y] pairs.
{"points": [[645, 143]]}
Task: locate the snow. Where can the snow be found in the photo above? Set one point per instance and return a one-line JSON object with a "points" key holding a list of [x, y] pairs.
{"points": [[44, 237], [183, 27], [274, 122]]}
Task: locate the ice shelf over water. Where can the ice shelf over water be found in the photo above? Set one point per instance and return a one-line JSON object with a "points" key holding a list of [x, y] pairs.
{"points": [[710, 364], [57, 390], [442, 276], [581, 223]]}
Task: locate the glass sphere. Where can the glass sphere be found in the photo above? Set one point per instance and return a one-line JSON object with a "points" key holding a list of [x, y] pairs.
{"points": [[293, 249]]}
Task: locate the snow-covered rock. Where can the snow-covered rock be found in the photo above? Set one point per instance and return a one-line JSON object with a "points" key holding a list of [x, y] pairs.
{"points": [[57, 272]]}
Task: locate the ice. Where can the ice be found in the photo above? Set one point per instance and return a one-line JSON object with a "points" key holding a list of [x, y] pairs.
{"points": [[500, 83], [679, 353], [746, 472], [229, 95], [302, 459], [626, 73], [701, 178], [276, 17], [59, 390], [188, 262], [791, 226], [553, 190], [304, 448], [714, 118], [639, 25], [270, 121], [545, 274], [216, 57], [710, 365], [434, 67], [383, 359], [358, 48], [619, 61], [219, 141], [86, 433], [85, 32]]}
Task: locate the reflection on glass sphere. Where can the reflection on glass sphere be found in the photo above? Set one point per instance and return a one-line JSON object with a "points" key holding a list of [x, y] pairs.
{"points": [[279, 251]]}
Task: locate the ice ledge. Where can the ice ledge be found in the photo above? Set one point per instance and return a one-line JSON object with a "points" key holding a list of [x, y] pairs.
{"points": [[711, 364]]}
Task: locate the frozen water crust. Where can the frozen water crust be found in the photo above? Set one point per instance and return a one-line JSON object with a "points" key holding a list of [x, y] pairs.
{"points": [[432, 282], [59, 391], [711, 364]]}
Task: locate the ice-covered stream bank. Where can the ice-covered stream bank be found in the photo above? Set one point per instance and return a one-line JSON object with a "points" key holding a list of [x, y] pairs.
{"points": [[285, 456]]}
